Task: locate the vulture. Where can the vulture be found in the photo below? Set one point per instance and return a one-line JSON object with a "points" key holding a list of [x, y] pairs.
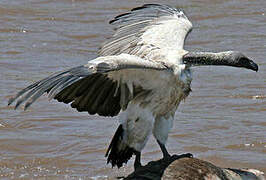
{"points": [[142, 74]]}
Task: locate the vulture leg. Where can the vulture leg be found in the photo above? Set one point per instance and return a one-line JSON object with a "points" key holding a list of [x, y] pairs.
{"points": [[137, 163], [166, 155]]}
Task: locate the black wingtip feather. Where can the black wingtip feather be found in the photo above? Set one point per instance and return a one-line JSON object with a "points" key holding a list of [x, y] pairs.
{"points": [[163, 8], [10, 101], [27, 105], [18, 104], [117, 17], [124, 14], [145, 6]]}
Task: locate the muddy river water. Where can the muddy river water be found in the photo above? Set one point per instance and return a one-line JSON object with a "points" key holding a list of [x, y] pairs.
{"points": [[222, 121]]}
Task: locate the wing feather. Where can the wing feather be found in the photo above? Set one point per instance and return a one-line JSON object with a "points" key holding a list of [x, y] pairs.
{"points": [[149, 25], [94, 87]]}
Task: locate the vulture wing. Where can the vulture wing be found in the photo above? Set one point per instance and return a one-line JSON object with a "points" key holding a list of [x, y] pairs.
{"points": [[103, 86], [147, 28]]}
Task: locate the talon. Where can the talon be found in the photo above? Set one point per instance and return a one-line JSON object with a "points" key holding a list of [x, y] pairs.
{"points": [[187, 155]]}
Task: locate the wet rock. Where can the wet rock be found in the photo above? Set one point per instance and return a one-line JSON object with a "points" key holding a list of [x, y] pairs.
{"points": [[176, 168]]}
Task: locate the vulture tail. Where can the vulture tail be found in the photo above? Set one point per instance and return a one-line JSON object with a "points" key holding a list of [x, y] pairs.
{"points": [[118, 151]]}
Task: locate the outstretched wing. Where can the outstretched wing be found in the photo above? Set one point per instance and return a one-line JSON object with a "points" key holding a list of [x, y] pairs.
{"points": [[146, 28], [103, 86]]}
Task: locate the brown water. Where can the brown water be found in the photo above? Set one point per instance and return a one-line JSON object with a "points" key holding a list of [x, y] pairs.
{"points": [[223, 120]]}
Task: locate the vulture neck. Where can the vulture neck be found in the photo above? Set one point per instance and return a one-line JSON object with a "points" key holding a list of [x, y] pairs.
{"points": [[228, 58]]}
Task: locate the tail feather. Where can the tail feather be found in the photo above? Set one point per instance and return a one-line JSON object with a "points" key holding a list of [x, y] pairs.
{"points": [[118, 152]]}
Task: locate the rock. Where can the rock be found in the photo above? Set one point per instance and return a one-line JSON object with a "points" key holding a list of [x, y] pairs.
{"points": [[176, 168]]}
